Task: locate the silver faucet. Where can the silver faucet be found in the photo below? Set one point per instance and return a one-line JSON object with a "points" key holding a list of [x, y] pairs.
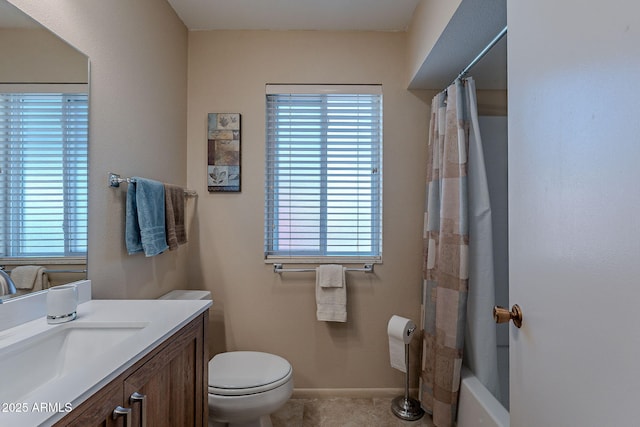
{"points": [[10, 285]]}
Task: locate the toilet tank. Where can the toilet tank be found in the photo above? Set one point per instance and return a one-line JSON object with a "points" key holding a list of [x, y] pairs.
{"points": [[185, 294]]}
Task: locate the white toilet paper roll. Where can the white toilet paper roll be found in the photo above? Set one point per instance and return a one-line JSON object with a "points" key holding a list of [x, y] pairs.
{"points": [[400, 331]]}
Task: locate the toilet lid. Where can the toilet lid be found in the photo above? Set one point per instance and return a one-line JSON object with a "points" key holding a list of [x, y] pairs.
{"points": [[243, 372]]}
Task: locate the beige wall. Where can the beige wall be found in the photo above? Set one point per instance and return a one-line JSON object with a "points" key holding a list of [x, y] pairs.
{"points": [[34, 55], [138, 54], [427, 23], [253, 307]]}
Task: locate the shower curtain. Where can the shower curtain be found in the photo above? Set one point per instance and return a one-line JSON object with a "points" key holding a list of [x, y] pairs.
{"points": [[455, 170]]}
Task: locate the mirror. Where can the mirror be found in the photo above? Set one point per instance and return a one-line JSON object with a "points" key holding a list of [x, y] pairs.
{"points": [[44, 86]]}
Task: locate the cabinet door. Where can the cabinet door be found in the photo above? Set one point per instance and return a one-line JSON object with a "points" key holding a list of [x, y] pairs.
{"points": [[169, 386], [98, 410]]}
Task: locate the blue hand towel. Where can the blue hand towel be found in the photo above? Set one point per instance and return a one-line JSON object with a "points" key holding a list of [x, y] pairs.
{"points": [[132, 228], [151, 216], [145, 218]]}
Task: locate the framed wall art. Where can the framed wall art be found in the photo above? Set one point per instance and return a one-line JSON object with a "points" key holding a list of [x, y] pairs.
{"points": [[223, 152]]}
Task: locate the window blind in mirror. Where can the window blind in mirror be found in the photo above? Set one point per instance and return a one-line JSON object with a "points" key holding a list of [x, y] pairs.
{"points": [[43, 174]]}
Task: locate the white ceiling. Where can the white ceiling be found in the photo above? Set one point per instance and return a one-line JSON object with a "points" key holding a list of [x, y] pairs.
{"points": [[363, 15]]}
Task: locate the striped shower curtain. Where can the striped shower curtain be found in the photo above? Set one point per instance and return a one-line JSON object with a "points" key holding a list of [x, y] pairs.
{"points": [[446, 250]]}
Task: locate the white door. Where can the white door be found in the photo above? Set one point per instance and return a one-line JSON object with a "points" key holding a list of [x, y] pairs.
{"points": [[574, 211]]}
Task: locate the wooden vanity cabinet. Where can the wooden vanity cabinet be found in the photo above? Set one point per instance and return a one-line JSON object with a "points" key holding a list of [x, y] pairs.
{"points": [[170, 382]]}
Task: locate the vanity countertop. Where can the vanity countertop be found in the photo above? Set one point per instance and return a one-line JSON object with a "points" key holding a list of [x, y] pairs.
{"points": [[156, 319]]}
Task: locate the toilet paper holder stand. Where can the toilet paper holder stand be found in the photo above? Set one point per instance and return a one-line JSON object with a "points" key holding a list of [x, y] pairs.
{"points": [[405, 407]]}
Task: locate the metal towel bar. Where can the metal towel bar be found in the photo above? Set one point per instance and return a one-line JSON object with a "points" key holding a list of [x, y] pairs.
{"points": [[51, 271], [115, 180], [277, 268]]}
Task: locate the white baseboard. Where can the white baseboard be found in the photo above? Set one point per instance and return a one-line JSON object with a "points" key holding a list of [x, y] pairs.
{"points": [[353, 393]]}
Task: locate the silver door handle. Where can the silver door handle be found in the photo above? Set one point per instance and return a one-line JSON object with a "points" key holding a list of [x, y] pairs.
{"points": [[142, 399], [122, 412]]}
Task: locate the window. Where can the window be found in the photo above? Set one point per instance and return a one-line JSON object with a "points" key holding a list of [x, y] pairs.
{"points": [[323, 187], [43, 174]]}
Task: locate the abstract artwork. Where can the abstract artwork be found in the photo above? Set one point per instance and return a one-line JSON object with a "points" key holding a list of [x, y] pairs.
{"points": [[223, 149]]}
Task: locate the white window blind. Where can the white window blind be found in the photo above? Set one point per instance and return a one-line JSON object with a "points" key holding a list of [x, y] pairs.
{"points": [[43, 174], [323, 187]]}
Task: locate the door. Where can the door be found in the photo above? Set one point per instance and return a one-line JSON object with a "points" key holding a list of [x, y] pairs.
{"points": [[574, 211], [98, 410], [168, 389]]}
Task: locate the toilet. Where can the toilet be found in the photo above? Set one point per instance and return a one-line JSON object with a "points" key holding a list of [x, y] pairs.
{"points": [[245, 387]]}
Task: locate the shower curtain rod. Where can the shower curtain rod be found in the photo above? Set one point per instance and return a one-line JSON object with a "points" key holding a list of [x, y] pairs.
{"points": [[482, 54]]}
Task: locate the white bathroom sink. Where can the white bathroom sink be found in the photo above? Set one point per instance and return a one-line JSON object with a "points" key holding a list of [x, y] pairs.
{"points": [[62, 365], [36, 360]]}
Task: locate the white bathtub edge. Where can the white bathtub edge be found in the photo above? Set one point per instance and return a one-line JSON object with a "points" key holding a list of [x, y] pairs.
{"points": [[477, 406]]}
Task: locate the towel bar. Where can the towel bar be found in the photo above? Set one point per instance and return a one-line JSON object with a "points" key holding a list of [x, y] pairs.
{"points": [[277, 268], [51, 271], [115, 180]]}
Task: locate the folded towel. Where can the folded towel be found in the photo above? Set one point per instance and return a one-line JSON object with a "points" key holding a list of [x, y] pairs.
{"points": [[148, 233], [330, 276], [331, 302], [30, 277], [174, 212]]}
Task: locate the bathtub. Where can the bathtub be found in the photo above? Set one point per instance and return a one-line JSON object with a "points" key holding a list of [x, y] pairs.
{"points": [[477, 407]]}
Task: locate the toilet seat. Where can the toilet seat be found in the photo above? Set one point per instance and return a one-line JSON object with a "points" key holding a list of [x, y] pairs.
{"points": [[240, 373]]}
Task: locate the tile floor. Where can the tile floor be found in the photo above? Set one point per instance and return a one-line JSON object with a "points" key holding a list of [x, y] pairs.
{"points": [[342, 412]]}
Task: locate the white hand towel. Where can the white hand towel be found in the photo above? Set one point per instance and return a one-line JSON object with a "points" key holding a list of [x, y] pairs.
{"points": [[30, 277], [330, 276], [331, 300]]}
